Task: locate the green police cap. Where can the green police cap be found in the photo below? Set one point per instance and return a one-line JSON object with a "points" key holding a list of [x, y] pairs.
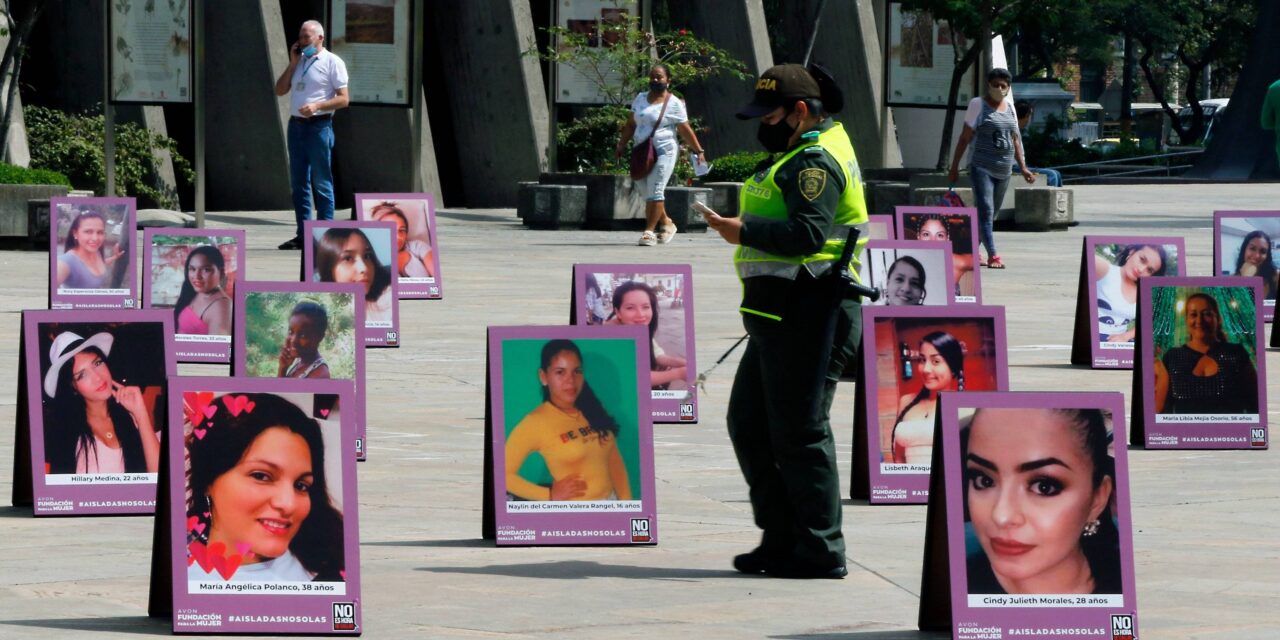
{"points": [[778, 86]]}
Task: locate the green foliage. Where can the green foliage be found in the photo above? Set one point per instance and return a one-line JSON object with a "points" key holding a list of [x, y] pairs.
{"points": [[10, 174], [267, 324], [164, 240], [73, 145], [586, 143], [620, 68], [735, 167]]}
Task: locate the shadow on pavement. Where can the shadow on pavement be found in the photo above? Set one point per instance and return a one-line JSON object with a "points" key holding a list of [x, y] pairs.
{"points": [[15, 512], [579, 570], [141, 625]]}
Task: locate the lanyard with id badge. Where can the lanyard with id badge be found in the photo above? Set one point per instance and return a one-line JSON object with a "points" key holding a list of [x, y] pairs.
{"points": [[302, 85]]}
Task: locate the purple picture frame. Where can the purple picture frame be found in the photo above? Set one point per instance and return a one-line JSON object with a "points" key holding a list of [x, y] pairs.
{"points": [[906, 223], [195, 348], [381, 318], [668, 406], [1181, 429], [430, 287], [880, 226], [225, 605], [1106, 354], [241, 366], [1246, 221], [603, 521], [123, 232], [907, 482], [871, 274], [112, 493], [1104, 616]]}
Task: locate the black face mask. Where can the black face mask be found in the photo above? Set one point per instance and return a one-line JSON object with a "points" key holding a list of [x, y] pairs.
{"points": [[657, 87], [775, 138]]}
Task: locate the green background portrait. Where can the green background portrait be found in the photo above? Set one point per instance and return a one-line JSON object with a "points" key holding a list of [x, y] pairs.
{"points": [[267, 323], [1169, 326], [608, 365]]}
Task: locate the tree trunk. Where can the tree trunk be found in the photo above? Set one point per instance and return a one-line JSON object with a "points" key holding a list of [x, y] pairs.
{"points": [[948, 123], [1159, 89], [1240, 148], [1126, 90], [11, 65]]}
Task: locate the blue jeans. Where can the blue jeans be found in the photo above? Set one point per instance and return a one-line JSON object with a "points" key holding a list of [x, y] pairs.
{"points": [[988, 193], [1052, 177], [310, 153]]}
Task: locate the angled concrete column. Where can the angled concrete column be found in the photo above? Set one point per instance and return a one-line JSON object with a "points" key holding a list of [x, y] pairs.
{"points": [[496, 94], [739, 27], [373, 153], [848, 45], [246, 161]]}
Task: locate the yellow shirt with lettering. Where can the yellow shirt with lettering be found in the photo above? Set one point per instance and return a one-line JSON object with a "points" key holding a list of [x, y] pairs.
{"points": [[570, 447]]}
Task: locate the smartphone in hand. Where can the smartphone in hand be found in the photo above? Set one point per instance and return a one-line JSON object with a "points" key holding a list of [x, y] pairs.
{"points": [[703, 209]]}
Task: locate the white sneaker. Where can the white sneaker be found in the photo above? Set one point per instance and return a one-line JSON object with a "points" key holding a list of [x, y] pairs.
{"points": [[668, 232], [648, 239]]}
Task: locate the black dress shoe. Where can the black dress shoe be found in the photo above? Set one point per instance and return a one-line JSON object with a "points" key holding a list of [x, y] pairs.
{"points": [[805, 571], [292, 243], [757, 561]]}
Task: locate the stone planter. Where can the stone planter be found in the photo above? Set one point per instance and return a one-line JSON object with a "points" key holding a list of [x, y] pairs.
{"points": [[1043, 209], [552, 206], [24, 214], [612, 203], [679, 205], [724, 197], [884, 197]]}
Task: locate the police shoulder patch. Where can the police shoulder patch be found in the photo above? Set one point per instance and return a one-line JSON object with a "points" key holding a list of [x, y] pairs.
{"points": [[812, 182]]}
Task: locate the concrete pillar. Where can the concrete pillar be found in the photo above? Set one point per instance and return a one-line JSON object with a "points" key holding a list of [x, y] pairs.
{"points": [[373, 153], [739, 27], [498, 103], [246, 161], [849, 45]]}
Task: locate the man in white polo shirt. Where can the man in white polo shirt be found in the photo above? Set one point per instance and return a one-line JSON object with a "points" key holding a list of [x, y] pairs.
{"points": [[318, 82]]}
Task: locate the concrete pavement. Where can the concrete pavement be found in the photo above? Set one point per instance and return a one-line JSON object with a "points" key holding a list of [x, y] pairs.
{"points": [[1207, 551]]}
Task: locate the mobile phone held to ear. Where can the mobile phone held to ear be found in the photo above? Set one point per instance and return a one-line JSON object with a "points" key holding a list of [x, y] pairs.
{"points": [[702, 208]]}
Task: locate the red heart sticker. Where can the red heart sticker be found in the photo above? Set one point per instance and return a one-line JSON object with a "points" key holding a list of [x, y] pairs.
{"points": [[196, 406], [226, 565], [200, 553], [238, 404], [199, 433], [324, 413]]}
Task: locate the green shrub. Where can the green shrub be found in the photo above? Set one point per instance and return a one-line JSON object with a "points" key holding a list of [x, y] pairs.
{"points": [[734, 167], [73, 146], [586, 143], [10, 174]]}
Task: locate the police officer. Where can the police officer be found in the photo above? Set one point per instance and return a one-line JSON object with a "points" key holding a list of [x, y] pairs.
{"points": [[795, 215]]}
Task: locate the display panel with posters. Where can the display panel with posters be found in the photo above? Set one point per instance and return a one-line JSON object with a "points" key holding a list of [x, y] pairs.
{"points": [[910, 355], [569, 456], [258, 531], [660, 298], [80, 364], [375, 40], [1028, 530], [150, 51], [306, 331], [1244, 244], [1107, 300], [957, 225], [920, 59], [1199, 376], [417, 251], [358, 253], [585, 17], [91, 262], [880, 227], [908, 273], [193, 273]]}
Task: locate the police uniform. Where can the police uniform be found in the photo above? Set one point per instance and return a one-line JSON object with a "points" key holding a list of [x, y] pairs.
{"points": [[795, 215]]}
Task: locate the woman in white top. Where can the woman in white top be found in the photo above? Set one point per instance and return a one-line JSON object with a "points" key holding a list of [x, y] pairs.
{"points": [[258, 491], [94, 424], [1118, 288], [941, 368], [643, 125]]}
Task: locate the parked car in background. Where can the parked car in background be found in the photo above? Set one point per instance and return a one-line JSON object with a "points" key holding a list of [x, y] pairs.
{"points": [[1214, 109]]}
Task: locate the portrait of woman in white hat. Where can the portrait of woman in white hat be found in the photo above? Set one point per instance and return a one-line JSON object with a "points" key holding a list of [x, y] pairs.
{"points": [[94, 423]]}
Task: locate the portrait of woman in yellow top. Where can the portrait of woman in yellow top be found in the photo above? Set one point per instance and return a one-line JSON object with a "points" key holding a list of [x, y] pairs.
{"points": [[572, 431]]}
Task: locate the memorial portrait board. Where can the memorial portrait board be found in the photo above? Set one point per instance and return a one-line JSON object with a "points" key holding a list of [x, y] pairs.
{"points": [[569, 439], [261, 527], [1244, 244], [193, 274], [1199, 377], [955, 225], [350, 252], [908, 273], [92, 413], [1028, 529], [909, 356], [1107, 302], [92, 264], [658, 297], [417, 260], [304, 331]]}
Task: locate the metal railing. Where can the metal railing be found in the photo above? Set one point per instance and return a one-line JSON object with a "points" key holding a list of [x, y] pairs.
{"points": [[1099, 166]]}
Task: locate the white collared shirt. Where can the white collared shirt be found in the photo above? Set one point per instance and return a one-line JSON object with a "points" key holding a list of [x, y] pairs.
{"points": [[315, 79]]}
